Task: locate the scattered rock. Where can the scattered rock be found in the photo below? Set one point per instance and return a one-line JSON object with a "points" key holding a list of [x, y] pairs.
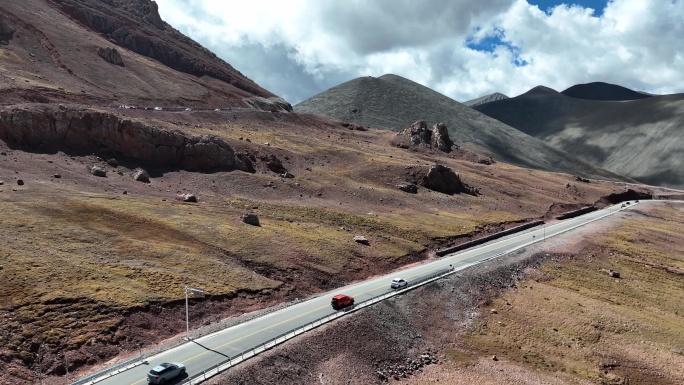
{"points": [[98, 171], [20, 182], [2, 182], [141, 175], [487, 161], [611, 273], [353, 127], [187, 197], [362, 240], [274, 164], [110, 55], [251, 219], [57, 176], [580, 179], [495, 358], [113, 162], [493, 311], [408, 187], [287, 175]]}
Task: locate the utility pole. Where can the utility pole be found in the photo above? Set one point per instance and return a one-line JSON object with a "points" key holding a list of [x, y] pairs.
{"points": [[195, 293]]}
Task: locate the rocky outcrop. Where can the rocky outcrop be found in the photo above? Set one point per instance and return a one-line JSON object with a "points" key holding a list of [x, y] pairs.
{"points": [[6, 31], [440, 137], [110, 55], [48, 128], [443, 179], [273, 104], [418, 134]]}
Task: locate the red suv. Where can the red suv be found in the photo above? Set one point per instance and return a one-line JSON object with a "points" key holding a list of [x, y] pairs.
{"points": [[341, 301]]}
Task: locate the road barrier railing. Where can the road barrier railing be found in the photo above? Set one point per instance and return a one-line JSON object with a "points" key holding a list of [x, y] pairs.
{"points": [[110, 370]]}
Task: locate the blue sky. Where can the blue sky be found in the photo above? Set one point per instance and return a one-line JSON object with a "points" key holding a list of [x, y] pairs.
{"points": [[597, 5], [463, 49]]}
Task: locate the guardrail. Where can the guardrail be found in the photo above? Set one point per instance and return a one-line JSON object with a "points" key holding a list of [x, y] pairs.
{"points": [[238, 358], [111, 370]]}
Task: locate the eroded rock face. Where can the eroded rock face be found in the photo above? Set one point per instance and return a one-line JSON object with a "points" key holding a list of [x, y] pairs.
{"points": [[110, 55], [443, 179], [49, 128], [6, 31]]}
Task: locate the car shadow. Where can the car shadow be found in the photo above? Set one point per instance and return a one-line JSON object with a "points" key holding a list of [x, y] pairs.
{"points": [[177, 380]]}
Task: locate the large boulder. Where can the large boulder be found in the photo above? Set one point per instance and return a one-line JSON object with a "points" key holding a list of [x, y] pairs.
{"points": [[98, 171], [251, 219], [443, 179], [141, 175], [110, 55]]}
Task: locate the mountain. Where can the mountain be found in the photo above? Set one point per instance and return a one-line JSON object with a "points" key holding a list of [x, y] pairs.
{"points": [[640, 138], [485, 99], [394, 102], [109, 52], [603, 91]]}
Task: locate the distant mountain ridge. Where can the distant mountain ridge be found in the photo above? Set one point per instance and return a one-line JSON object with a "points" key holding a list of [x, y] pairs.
{"points": [[393, 102], [485, 99], [603, 91], [641, 138]]}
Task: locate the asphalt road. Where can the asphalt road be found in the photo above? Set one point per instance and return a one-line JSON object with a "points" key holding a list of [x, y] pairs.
{"points": [[206, 352]]}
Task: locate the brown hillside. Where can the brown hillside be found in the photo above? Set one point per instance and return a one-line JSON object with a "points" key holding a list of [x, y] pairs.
{"points": [[52, 47], [107, 213]]}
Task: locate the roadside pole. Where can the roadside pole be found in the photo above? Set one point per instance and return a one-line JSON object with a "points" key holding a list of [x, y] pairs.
{"points": [[195, 293]]}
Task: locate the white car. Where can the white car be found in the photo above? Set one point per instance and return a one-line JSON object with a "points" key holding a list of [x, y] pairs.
{"points": [[164, 372], [398, 283]]}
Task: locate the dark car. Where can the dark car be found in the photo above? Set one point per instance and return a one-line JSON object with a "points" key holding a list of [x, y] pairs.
{"points": [[164, 372]]}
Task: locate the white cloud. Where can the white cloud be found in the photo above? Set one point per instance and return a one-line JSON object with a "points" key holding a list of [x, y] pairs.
{"points": [[299, 48]]}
